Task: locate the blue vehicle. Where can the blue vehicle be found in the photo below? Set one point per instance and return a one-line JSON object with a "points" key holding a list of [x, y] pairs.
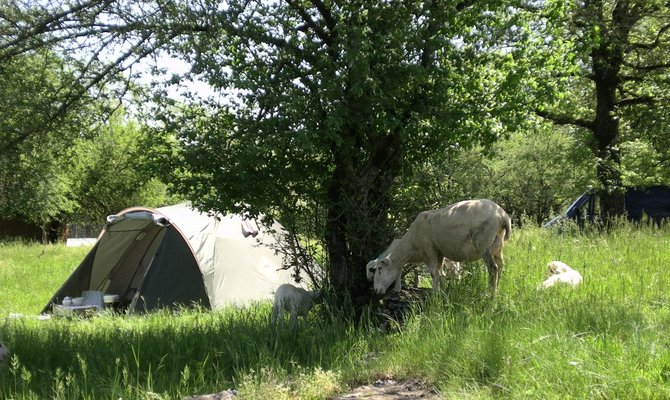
{"points": [[651, 203]]}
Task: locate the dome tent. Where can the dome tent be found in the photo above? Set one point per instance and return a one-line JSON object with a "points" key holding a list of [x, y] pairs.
{"points": [[176, 255]]}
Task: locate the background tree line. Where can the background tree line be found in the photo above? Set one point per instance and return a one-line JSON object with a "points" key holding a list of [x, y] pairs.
{"points": [[76, 167], [342, 118]]}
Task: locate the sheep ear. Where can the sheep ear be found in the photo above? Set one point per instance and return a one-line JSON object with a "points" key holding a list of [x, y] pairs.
{"points": [[372, 265], [385, 262]]}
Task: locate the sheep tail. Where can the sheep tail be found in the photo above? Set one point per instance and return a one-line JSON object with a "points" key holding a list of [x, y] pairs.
{"points": [[508, 226]]}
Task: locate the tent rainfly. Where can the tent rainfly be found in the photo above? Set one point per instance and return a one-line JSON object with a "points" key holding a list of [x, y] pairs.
{"points": [[176, 256]]}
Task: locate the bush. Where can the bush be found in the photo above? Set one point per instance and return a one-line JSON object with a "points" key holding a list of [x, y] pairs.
{"points": [[532, 175]]}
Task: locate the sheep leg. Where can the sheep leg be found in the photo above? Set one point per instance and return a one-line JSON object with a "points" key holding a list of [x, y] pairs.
{"points": [[494, 261], [435, 267], [499, 261], [274, 316], [278, 315], [436, 283], [398, 284], [443, 268], [494, 272], [456, 270], [450, 269], [497, 249], [294, 321]]}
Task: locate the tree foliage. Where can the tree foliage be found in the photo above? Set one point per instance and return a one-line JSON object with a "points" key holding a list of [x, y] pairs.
{"points": [[319, 105], [32, 182], [621, 88], [64, 155], [535, 173], [107, 172], [83, 166], [335, 100]]}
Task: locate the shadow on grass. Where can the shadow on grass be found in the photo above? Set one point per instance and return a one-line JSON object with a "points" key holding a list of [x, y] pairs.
{"points": [[165, 352]]}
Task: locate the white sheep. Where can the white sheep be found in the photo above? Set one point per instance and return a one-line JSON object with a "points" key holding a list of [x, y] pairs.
{"points": [[560, 272], [4, 352], [294, 300], [465, 231]]}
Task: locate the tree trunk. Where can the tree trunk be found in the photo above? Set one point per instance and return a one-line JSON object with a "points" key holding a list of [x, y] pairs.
{"points": [[606, 132], [358, 202], [54, 232], [607, 59]]}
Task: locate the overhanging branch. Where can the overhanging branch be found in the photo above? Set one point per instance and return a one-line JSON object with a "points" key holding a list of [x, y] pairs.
{"points": [[136, 52], [313, 25], [651, 45], [51, 23], [563, 119], [635, 100], [326, 14]]}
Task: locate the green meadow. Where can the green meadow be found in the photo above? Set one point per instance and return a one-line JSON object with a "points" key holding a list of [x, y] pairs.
{"points": [[607, 338]]}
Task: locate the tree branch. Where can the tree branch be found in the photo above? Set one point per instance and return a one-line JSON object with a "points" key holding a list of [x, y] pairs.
{"points": [[331, 23], [428, 50], [99, 77], [635, 100], [650, 67], [320, 33], [656, 43], [43, 26], [563, 119]]}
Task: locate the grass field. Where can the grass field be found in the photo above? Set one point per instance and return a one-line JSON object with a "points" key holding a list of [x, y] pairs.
{"points": [[608, 338]]}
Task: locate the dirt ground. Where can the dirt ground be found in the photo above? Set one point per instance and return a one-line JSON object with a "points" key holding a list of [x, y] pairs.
{"points": [[387, 389]]}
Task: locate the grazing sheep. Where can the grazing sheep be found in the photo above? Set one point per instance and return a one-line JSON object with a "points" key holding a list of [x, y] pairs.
{"points": [[559, 272], [465, 231], [295, 300], [371, 267], [4, 352]]}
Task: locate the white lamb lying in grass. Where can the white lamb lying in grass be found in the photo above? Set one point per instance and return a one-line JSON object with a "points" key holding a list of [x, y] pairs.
{"points": [[294, 300], [560, 272]]}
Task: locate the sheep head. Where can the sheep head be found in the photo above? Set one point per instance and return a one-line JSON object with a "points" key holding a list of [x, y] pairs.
{"points": [[370, 270], [371, 267], [386, 273], [317, 295], [557, 267]]}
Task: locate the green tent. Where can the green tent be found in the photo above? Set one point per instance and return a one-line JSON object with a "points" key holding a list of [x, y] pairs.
{"points": [[175, 256]]}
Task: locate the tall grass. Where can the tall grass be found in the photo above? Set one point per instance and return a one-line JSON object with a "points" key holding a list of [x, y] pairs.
{"points": [[608, 338], [30, 274], [169, 355]]}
